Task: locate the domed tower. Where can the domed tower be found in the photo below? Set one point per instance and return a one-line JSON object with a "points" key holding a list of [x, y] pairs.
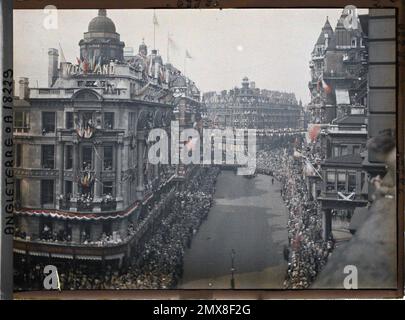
{"points": [[101, 42]]}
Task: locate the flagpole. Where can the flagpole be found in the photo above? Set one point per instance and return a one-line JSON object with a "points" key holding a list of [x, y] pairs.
{"points": [[168, 39], [185, 60], [154, 29]]}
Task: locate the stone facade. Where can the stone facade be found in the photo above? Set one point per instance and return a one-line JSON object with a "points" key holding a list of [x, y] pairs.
{"points": [[81, 144], [249, 107], [338, 119]]}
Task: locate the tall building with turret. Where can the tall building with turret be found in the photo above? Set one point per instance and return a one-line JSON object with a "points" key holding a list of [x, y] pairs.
{"points": [[338, 117]]}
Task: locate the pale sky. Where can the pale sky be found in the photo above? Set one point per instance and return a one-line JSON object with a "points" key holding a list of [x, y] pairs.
{"points": [[270, 46]]}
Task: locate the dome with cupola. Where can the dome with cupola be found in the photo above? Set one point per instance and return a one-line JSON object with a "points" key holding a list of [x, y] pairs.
{"points": [[101, 43], [102, 23]]}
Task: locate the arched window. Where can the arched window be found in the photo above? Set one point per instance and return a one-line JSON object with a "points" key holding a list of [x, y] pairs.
{"points": [[86, 95]]}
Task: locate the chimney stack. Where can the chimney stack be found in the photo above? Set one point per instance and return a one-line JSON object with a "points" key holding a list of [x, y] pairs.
{"points": [[23, 91], [52, 66]]}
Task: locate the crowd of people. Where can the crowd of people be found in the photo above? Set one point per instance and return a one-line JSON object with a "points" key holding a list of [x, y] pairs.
{"points": [[161, 261], [307, 251], [158, 259]]}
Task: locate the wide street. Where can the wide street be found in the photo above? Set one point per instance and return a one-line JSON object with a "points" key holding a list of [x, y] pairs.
{"points": [[249, 217]]}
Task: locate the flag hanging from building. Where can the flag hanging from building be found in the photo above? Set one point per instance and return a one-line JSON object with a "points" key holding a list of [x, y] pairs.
{"points": [[326, 88], [310, 170], [313, 132], [86, 66], [188, 55]]}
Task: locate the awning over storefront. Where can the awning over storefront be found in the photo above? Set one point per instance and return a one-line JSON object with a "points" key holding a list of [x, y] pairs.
{"points": [[342, 96]]}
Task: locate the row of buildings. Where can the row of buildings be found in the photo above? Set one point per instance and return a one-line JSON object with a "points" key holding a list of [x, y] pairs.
{"points": [[349, 80], [249, 107]]}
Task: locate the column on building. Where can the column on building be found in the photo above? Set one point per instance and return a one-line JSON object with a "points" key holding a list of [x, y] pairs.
{"points": [[76, 171], [118, 177], [140, 151], [98, 185], [60, 156]]}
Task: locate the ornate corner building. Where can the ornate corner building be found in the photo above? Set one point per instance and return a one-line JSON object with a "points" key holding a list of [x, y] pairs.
{"points": [[81, 168]]}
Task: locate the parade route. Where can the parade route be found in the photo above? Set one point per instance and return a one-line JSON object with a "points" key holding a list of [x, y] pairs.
{"points": [[249, 217]]}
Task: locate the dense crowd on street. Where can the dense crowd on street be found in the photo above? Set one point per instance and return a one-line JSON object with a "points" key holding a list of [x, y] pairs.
{"points": [[158, 261], [307, 251], [159, 257]]}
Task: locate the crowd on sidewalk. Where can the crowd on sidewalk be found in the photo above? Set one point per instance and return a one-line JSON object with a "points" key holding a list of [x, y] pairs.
{"points": [[160, 260], [307, 251]]}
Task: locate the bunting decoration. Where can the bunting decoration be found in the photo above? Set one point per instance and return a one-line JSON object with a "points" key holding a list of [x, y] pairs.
{"points": [[68, 215]]}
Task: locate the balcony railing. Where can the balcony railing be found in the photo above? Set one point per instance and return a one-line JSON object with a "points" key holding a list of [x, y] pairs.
{"points": [[21, 129], [338, 75], [332, 194], [94, 249], [88, 206]]}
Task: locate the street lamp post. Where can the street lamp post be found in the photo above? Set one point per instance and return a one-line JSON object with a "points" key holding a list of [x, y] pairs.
{"points": [[232, 269]]}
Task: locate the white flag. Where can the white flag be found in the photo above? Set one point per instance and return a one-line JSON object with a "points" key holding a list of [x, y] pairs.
{"points": [[62, 55]]}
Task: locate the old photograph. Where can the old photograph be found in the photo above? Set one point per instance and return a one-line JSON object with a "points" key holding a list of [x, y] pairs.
{"points": [[205, 149]]}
